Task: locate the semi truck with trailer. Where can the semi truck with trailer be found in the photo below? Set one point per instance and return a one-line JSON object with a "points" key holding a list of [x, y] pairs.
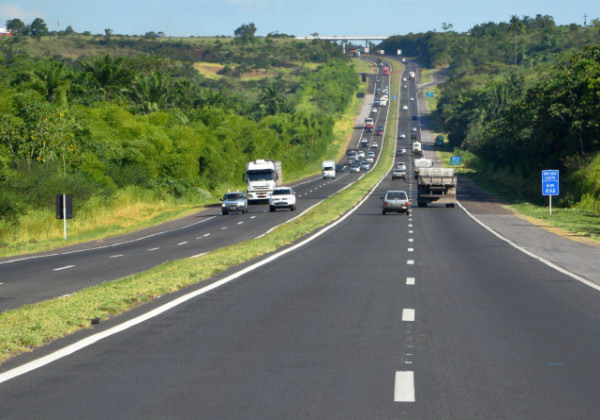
{"points": [[436, 185], [262, 177]]}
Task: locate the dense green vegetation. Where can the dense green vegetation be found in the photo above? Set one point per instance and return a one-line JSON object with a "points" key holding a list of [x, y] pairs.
{"points": [[523, 96], [137, 114]]}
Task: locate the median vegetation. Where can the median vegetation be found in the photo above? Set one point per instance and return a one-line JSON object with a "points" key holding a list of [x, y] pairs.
{"points": [[31, 326]]}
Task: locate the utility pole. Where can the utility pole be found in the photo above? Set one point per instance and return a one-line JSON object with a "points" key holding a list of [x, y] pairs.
{"points": [[585, 20]]}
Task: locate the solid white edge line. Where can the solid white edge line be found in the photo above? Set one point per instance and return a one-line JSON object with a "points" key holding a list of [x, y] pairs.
{"points": [[72, 348], [404, 387], [408, 315], [531, 254]]}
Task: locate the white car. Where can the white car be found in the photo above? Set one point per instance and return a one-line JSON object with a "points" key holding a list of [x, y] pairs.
{"points": [[414, 129], [404, 86], [401, 136], [374, 145], [404, 79], [412, 99], [405, 107], [355, 167], [282, 197], [401, 165], [373, 110]]}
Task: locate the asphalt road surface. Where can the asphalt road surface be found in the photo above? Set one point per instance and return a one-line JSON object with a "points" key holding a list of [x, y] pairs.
{"points": [[31, 279], [381, 317]]}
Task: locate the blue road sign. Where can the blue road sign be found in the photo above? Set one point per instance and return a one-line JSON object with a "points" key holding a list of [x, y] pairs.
{"points": [[550, 182], [455, 160]]}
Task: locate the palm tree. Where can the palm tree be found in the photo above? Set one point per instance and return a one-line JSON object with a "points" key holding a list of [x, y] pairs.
{"points": [[52, 80], [515, 25]]}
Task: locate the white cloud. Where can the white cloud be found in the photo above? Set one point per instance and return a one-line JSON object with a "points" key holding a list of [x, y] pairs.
{"points": [[10, 11]]}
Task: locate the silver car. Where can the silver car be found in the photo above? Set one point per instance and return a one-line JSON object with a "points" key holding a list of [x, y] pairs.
{"points": [[395, 200], [234, 202]]}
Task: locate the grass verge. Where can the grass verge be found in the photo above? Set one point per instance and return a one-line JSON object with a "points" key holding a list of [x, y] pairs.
{"points": [[31, 326]]}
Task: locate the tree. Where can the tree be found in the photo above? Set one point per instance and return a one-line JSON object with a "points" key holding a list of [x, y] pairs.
{"points": [[16, 26], [69, 30], [52, 80], [245, 33], [108, 34], [38, 28], [516, 26], [151, 35], [272, 99]]}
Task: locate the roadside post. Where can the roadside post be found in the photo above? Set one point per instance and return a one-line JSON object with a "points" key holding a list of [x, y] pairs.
{"points": [[64, 209], [550, 184]]}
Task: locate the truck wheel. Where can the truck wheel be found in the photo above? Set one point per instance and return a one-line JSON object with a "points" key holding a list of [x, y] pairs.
{"points": [[224, 212], [407, 213], [422, 204], [383, 212], [271, 208], [452, 205], [292, 208], [244, 211]]}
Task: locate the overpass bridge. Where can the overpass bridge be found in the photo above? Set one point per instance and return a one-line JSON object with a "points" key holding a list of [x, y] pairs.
{"points": [[345, 38]]}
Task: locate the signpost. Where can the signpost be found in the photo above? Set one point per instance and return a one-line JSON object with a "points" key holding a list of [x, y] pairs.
{"points": [[550, 184], [64, 209], [455, 160]]}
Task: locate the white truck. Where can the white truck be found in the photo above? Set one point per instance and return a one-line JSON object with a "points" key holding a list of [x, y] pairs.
{"points": [[417, 149], [328, 169], [411, 75], [420, 164], [436, 185], [262, 177]]}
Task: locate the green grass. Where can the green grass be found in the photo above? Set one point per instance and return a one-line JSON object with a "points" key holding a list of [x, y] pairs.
{"points": [[32, 326]]}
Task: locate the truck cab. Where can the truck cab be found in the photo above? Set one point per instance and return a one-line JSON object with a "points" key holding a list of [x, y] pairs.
{"points": [[262, 177]]}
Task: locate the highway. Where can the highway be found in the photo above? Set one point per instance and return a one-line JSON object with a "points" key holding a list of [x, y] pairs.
{"points": [[31, 279], [379, 317]]}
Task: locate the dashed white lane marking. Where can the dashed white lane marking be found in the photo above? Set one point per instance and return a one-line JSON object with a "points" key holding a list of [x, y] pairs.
{"points": [[224, 228], [404, 388], [154, 249], [411, 240], [411, 231], [182, 243], [116, 256], [1, 284], [408, 315], [410, 225], [410, 262], [239, 223], [252, 217], [411, 250], [206, 234], [410, 281], [63, 268]]}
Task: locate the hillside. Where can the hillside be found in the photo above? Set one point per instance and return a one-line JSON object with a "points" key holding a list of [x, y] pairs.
{"points": [[113, 118]]}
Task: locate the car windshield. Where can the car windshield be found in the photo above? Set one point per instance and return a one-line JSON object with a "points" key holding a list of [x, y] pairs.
{"points": [[233, 196], [396, 196], [261, 175], [281, 192]]}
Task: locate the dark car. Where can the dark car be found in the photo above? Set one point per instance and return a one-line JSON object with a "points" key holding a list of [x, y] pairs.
{"points": [[415, 117], [340, 168], [379, 131], [413, 135]]}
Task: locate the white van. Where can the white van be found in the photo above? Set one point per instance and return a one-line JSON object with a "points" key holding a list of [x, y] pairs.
{"points": [[328, 169]]}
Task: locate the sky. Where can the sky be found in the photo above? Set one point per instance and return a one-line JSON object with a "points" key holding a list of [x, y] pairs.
{"points": [[293, 17]]}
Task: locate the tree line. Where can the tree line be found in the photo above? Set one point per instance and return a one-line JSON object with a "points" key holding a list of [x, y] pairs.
{"points": [[101, 123], [522, 95]]}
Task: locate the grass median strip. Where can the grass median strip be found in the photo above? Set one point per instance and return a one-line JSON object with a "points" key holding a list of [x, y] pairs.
{"points": [[32, 326]]}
